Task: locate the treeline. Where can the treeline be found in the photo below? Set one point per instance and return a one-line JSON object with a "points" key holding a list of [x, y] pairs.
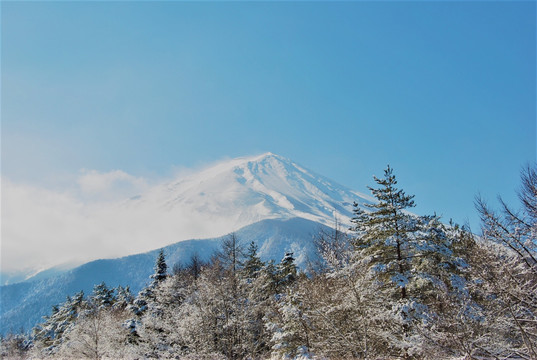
{"points": [[395, 285]]}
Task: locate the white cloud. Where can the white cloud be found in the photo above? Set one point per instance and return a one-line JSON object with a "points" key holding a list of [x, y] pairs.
{"points": [[36, 224], [111, 185], [94, 219]]}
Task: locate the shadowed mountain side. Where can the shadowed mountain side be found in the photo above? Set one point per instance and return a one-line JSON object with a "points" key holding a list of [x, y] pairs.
{"points": [[24, 304]]}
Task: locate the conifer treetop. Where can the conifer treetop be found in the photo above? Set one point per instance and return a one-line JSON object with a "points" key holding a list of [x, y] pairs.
{"points": [[390, 198], [160, 268]]}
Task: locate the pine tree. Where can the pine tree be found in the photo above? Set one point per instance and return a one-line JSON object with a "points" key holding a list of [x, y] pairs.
{"points": [[415, 259], [287, 272], [124, 298], [149, 332], [385, 241], [253, 263], [49, 335], [383, 233], [160, 269], [102, 296], [147, 296]]}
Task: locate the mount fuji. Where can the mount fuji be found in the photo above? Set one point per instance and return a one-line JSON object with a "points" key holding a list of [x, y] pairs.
{"points": [[242, 191], [267, 199]]}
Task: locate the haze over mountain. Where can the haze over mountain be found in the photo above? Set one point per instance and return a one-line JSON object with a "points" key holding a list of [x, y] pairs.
{"points": [[274, 202], [24, 304], [225, 197]]}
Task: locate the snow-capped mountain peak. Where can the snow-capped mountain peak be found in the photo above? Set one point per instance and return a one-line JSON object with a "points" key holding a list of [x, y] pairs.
{"points": [[267, 199], [211, 202], [249, 189]]}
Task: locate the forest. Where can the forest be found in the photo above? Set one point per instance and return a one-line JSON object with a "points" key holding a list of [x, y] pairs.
{"points": [[393, 285]]}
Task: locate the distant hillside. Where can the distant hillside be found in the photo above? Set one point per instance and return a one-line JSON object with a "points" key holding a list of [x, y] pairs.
{"points": [[24, 304]]}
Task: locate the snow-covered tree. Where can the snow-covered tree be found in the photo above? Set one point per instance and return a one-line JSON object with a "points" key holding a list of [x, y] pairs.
{"points": [[147, 329], [124, 298], [290, 327], [511, 273], [15, 346], [384, 233], [333, 245], [345, 304], [147, 295], [49, 335], [286, 272], [194, 266], [231, 254], [252, 263], [102, 296], [98, 332], [413, 260], [161, 269]]}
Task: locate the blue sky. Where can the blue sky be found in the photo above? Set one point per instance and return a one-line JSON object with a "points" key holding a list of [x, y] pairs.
{"points": [[442, 91]]}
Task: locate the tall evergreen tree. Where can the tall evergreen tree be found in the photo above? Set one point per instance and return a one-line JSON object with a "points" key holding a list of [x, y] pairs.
{"points": [[160, 268], [414, 259], [49, 335], [253, 263], [124, 297], [147, 295], [384, 232], [102, 296], [287, 272]]}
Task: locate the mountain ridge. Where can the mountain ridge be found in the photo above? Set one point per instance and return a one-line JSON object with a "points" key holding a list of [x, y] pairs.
{"points": [[215, 200], [24, 303], [266, 198]]}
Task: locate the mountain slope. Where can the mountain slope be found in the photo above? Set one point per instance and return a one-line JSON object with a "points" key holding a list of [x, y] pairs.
{"points": [[24, 304], [203, 204], [274, 201], [245, 190]]}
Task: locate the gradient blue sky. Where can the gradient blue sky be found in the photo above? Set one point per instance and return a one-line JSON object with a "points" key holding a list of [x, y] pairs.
{"points": [[445, 92]]}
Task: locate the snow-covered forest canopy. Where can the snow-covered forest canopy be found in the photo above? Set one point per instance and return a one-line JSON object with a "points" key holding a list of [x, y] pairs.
{"points": [[394, 285]]}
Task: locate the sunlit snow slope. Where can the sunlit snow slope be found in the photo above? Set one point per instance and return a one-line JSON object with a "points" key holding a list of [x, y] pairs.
{"points": [[208, 203], [242, 191], [266, 199]]}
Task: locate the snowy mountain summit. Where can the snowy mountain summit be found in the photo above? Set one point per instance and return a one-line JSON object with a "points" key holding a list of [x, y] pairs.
{"points": [[207, 203], [267, 199], [245, 190]]}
